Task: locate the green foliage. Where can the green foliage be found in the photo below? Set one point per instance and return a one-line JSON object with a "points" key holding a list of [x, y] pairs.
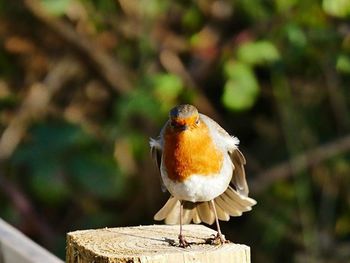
{"points": [[55, 7], [343, 225], [343, 63], [255, 9], [47, 184], [59, 156], [106, 6], [192, 18], [96, 174], [241, 88], [338, 8], [140, 102], [153, 8], [166, 88], [7, 69], [296, 36], [285, 5], [276, 72], [260, 52]]}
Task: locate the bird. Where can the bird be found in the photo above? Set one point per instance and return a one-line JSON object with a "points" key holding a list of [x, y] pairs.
{"points": [[203, 170]]}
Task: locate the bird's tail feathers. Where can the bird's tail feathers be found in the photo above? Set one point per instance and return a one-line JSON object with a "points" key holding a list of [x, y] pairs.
{"points": [[230, 203]]}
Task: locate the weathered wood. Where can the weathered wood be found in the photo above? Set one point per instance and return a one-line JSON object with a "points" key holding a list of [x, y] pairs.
{"points": [[17, 248], [150, 244]]}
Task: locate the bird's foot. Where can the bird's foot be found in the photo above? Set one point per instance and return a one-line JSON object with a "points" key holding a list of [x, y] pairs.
{"points": [[182, 242], [218, 239]]}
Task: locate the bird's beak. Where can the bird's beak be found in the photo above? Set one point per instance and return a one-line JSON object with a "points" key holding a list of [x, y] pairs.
{"points": [[179, 125], [183, 127]]}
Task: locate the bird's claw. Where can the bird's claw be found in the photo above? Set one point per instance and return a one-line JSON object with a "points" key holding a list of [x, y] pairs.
{"points": [[182, 242], [218, 239]]}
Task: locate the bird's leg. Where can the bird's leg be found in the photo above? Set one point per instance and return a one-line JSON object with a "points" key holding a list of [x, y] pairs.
{"points": [[219, 236], [182, 240]]}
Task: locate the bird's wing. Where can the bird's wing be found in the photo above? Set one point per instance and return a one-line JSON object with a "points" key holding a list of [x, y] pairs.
{"points": [[229, 142], [238, 178], [156, 153], [237, 158]]}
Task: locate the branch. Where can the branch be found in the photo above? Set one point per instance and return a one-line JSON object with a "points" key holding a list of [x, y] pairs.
{"points": [[21, 202], [337, 98], [114, 73], [35, 104], [172, 63], [300, 162]]}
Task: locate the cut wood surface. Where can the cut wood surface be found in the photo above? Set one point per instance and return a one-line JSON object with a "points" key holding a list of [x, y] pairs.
{"points": [[17, 248], [154, 243]]}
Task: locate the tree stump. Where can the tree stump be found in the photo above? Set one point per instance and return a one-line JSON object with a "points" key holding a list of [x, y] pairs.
{"points": [[154, 243]]}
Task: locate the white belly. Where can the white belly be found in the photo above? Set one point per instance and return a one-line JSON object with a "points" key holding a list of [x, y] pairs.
{"points": [[197, 188]]}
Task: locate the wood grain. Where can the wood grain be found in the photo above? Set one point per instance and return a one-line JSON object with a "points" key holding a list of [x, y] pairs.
{"points": [[154, 243]]}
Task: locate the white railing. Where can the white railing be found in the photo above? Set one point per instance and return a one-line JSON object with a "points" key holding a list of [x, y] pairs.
{"points": [[15, 247]]}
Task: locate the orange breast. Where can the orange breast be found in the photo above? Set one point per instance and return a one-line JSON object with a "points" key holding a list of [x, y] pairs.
{"points": [[190, 152]]}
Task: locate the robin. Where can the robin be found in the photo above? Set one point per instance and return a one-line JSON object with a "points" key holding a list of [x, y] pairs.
{"points": [[198, 160]]}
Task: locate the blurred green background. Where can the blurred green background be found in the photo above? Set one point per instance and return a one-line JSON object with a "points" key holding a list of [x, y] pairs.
{"points": [[85, 83]]}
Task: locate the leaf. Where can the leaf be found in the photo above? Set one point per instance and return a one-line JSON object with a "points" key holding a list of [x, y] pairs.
{"points": [[296, 35], [152, 8], [285, 5], [167, 86], [342, 226], [55, 7], [49, 140], [343, 64], [259, 52], [139, 144], [61, 148], [256, 10], [47, 183], [337, 8], [96, 174], [192, 18], [241, 88], [138, 102]]}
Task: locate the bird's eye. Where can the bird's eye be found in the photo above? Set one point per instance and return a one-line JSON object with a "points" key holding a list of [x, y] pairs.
{"points": [[197, 121]]}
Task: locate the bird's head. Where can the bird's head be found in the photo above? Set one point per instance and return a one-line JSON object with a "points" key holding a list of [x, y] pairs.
{"points": [[184, 117]]}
